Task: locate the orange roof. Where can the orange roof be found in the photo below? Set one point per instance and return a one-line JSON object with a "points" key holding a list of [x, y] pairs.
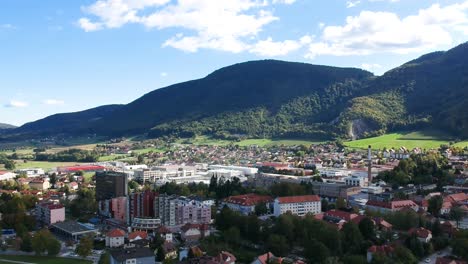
{"points": [[385, 249], [249, 199], [299, 199], [341, 215], [136, 234], [457, 197], [420, 232], [449, 261], [116, 233]]}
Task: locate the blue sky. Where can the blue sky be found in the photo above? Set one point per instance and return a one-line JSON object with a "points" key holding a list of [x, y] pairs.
{"points": [[61, 56]]}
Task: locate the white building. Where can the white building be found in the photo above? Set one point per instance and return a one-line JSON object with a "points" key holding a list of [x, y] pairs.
{"points": [[115, 238], [247, 171], [298, 205], [356, 181], [6, 175], [331, 172], [164, 173], [31, 172]]}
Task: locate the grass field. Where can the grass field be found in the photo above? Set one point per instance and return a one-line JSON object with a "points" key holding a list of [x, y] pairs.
{"points": [[203, 140], [410, 140], [42, 164], [42, 260]]}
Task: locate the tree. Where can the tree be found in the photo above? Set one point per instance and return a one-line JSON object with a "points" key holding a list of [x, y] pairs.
{"points": [[160, 255], [140, 159], [404, 255], [340, 203], [435, 204], [84, 248], [105, 258], [277, 244], [26, 243], [261, 209], [352, 238], [232, 235], [39, 242], [316, 251], [355, 259], [367, 228], [53, 247], [457, 214]]}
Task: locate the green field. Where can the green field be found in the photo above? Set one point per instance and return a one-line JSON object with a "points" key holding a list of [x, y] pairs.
{"points": [[410, 140], [43, 164], [203, 140], [41, 260]]}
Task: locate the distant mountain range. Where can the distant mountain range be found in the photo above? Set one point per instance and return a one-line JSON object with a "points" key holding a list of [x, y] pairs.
{"points": [[6, 126], [285, 99]]}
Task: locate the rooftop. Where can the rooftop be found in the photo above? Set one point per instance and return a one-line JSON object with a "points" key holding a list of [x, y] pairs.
{"points": [[299, 199], [135, 253]]}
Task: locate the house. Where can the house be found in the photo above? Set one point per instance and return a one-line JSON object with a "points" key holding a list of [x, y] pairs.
{"points": [[298, 205], [382, 224], [393, 206], [134, 255], [40, 184], [421, 233], [384, 250], [137, 235], [267, 258], [170, 249], [225, 258], [193, 232], [115, 238], [165, 233], [73, 186], [245, 204], [445, 260]]}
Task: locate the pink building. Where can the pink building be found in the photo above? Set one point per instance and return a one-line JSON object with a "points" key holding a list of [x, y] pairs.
{"points": [[115, 208], [50, 213], [193, 212]]}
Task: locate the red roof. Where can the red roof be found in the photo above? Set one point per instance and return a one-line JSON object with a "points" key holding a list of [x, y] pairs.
{"points": [[341, 215], [249, 199], [457, 197], [136, 234], [116, 233], [449, 261], [393, 204], [420, 232], [299, 199], [385, 249], [82, 168]]}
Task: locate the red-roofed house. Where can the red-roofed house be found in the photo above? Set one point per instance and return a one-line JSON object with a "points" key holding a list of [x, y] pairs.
{"points": [[393, 206], [298, 205], [449, 261], [137, 235], [245, 204], [384, 250], [225, 258], [340, 215], [421, 233], [6, 175], [457, 198], [267, 258], [115, 238], [193, 232]]}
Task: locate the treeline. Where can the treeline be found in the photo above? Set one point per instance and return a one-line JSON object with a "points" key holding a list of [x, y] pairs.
{"points": [[71, 155], [420, 169], [7, 163]]}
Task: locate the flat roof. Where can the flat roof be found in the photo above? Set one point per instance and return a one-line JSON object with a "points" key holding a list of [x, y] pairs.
{"points": [[73, 227]]}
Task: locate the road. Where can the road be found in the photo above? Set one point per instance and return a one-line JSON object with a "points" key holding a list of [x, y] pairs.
{"points": [[436, 255]]}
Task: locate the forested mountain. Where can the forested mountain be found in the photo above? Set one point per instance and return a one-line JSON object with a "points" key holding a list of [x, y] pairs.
{"points": [[285, 99]]}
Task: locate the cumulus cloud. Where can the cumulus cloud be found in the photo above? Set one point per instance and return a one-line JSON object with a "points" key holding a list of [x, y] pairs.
{"points": [[351, 4], [226, 25], [53, 102], [371, 66], [16, 104], [271, 48], [371, 32]]}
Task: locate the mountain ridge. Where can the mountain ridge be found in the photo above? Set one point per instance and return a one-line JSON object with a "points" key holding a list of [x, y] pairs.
{"points": [[271, 98]]}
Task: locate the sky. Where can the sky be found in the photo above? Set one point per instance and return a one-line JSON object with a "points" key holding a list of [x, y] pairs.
{"points": [[63, 56]]}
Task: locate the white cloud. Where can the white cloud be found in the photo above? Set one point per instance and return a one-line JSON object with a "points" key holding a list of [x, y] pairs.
{"points": [[372, 32], [53, 102], [16, 104], [163, 74], [226, 25], [351, 4]]}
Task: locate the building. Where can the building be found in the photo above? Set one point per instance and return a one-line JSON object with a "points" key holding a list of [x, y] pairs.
{"points": [[245, 204], [50, 213], [422, 234], [73, 230], [192, 211], [385, 250], [110, 185], [444, 260], [334, 190], [393, 206], [115, 208], [41, 184], [194, 232], [31, 172], [165, 209], [164, 173], [142, 204], [298, 205], [356, 181], [6, 175], [135, 255], [115, 238], [247, 171], [145, 224]]}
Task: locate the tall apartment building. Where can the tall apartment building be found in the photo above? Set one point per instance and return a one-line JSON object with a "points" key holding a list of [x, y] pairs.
{"points": [[142, 204], [110, 184], [50, 213], [298, 205], [173, 210]]}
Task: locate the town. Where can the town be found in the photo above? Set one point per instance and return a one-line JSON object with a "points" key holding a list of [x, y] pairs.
{"points": [[318, 203]]}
